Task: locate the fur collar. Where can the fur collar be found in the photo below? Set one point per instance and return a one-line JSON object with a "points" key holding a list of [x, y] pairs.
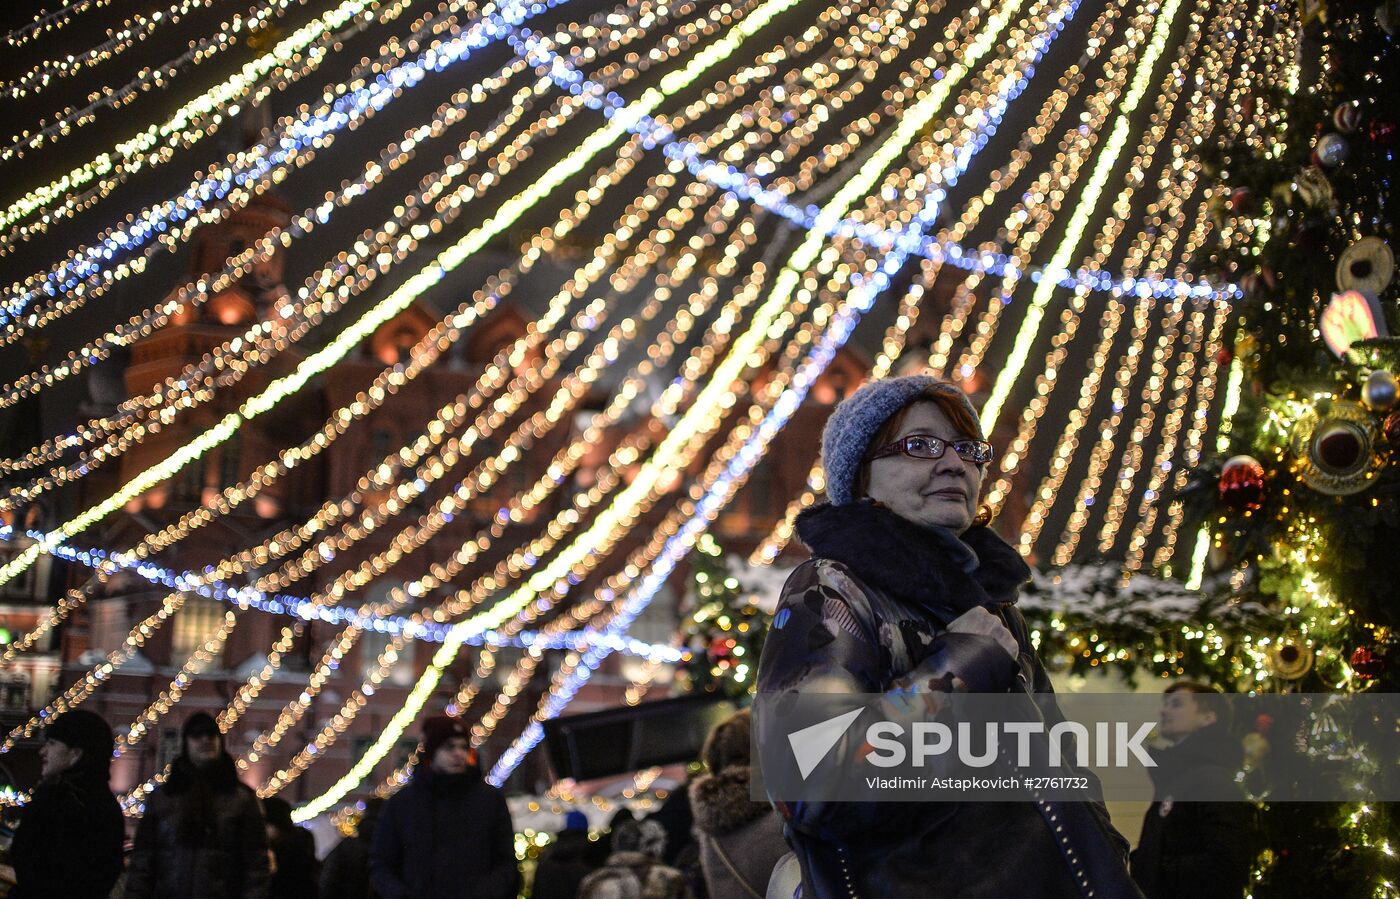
{"points": [[932, 566], [721, 803]]}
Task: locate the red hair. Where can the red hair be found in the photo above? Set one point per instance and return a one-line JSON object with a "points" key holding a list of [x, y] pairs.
{"points": [[964, 422]]}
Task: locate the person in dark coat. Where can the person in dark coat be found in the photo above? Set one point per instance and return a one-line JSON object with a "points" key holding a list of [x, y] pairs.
{"points": [[566, 862], [634, 869], [1196, 849], [202, 834], [740, 840], [908, 590], [682, 852], [295, 871], [345, 874], [71, 810], [448, 833]]}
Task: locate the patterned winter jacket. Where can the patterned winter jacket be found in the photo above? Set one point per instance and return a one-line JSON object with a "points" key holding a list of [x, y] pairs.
{"points": [[870, 608]]}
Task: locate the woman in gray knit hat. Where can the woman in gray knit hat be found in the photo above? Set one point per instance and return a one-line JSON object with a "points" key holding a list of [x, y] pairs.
{"points": [[908, 586]]}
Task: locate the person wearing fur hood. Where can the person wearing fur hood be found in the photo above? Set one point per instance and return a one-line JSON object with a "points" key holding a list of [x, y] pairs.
{"points": [[740, 840], [909, 590], [634, 869]]}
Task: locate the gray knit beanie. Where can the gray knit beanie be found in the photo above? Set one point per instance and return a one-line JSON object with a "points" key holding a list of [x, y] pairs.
{"points": [[852, 425]]}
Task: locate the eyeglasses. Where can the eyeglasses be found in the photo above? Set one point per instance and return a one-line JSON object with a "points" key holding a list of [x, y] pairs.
{"points": [[926, 446]]}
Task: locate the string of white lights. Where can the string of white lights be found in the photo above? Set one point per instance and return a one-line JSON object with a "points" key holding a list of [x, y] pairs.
{"points": [[697, 420]]}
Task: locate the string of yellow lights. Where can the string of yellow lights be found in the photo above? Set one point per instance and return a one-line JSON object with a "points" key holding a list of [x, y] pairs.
{"points": [[1194, 129], [294, 57], [1110, 323], [700, 419], [1043, 123]]}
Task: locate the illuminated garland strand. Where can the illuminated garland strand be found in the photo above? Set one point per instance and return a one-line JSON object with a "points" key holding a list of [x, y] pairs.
{"points": [[630, 565], [259, 350], [52, 21], [447, 261], [778, 539], [188, 124], [133, 31], [1205, 394], [304, 609], [70, 119], [1160, 466], [290, 145], [206, 652], [1103, 165], [682, 434], [1110, 323], [679, 545]]}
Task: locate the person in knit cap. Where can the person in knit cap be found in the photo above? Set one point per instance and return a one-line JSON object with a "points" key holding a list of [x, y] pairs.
{"points": [[909, 590], [740, 840], [203, 832], [448, 834], [70, 810], [565, 862]]}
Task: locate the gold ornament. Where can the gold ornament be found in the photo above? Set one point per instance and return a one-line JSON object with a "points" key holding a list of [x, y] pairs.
{"points": [[1290, 659], [1336, 450], [1367, 266]]}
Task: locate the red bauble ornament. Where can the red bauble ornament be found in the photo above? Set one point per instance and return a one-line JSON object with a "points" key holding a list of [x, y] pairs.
{"points": [[1366, 664], [1347, 117], [1242, 486], [1224, 356], [1240, 199], [1391, 428], [1382, 133]]}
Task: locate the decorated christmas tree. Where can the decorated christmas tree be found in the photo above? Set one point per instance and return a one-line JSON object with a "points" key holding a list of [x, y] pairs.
{"points": [[724, 630], [1300, 509]]}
